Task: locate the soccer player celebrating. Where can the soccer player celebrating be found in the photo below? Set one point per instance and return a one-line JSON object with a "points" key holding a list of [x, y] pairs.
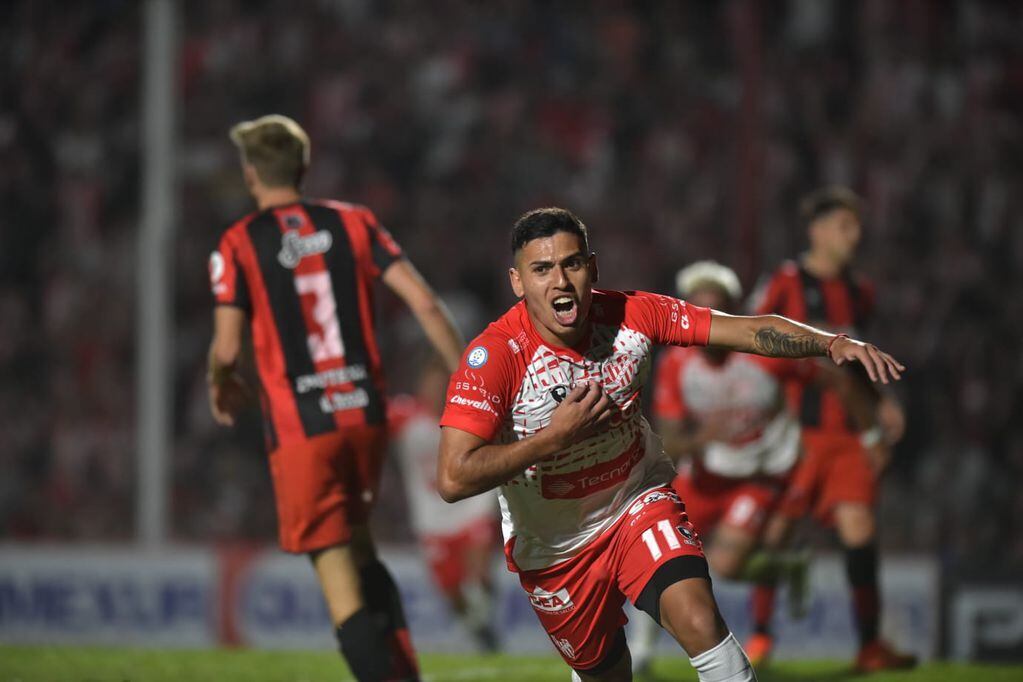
{"points": [[837, 479], [301, 271], [458, 540], [723, 418], [546, 406]]}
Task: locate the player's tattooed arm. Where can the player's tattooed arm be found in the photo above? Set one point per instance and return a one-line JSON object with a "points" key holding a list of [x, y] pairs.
{"points": [[779, 344], [780, 337]]}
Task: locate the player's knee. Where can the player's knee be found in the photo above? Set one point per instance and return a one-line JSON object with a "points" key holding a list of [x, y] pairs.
{"points": [[362, 547], [704, 624], [690, 614], [855, 524]]}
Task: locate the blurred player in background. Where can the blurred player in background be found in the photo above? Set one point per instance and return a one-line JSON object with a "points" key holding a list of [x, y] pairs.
{"points": [[837, 480], [459, 540], [724, 421], [546, 406], [301, 272]]}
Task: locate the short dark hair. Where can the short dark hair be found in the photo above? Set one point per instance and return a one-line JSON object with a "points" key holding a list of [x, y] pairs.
{"points": [[828, 199], [545, 222]]}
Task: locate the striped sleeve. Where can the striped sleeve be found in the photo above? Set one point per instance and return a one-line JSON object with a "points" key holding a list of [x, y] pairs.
{"points": [[227, 280]]}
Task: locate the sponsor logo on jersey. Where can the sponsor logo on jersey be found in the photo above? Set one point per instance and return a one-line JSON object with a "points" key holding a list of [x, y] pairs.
{"points": [[351, 400], [650, 498], [330, 377], [478, 404], [561, 488], [514, 345], [295, 247], [559, 393], [593, 479], [477, 357], [470, 387], [551, 602]]}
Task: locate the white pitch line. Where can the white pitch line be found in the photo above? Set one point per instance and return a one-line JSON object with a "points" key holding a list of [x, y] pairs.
{"points": [[482, 673]]}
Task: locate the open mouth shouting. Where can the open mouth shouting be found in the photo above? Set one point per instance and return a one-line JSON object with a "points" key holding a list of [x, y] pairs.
{"points": [[566, 310]]}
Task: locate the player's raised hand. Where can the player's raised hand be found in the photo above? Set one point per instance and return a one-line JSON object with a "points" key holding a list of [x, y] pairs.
{"points": [[228, 396], [584, 411], [880, 366]]}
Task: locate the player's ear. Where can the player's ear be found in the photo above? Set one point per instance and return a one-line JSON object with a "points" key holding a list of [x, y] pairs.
{"points": [[592, 265], [251, 176], [516, 283]]}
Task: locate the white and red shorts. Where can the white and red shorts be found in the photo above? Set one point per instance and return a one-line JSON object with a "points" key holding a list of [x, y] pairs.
{"points": [[447, 554], [579, 601]]}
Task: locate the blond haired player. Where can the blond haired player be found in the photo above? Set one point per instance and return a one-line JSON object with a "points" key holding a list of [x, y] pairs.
{"points": [[301, 272]]}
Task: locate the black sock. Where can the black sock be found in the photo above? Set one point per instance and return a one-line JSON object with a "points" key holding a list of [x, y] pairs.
{"points": [[381, 596], [861, 566], [364, 645], [382, 599]]}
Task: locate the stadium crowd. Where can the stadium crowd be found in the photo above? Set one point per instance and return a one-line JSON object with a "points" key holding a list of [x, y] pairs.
{"points": [[678, 131]]}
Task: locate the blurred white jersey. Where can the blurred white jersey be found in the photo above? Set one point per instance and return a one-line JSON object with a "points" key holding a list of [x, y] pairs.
{"points": [[416, 445], [746, 393]]}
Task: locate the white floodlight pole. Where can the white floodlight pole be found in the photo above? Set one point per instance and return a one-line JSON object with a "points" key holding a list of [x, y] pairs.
{"points": [[154, 380]]}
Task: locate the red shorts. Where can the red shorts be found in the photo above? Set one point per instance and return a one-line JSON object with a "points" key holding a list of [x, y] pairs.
{"points": [[741, 502], [446, 554], [834, 469], [579, 601], [326, 485]]}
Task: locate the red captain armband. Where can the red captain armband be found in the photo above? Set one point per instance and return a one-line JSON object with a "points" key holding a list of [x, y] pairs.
{"points": [[831, 343]]}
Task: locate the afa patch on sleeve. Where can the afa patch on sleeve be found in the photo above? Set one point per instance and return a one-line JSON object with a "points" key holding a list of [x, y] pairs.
{"points": [[477, 357]]}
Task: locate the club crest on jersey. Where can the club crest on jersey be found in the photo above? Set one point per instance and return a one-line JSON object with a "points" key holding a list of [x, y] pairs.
{"points": [[216, 266], [688, 536], [565, 646], [559, 393], [295, 247], [477, 357]]}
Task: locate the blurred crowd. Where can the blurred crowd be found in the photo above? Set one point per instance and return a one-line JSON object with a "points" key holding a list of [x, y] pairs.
{"points": [[677, 131]]}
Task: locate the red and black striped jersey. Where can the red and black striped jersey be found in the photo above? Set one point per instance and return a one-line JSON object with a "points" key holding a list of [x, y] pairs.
{"points": [[840, 304], [304, 274]]}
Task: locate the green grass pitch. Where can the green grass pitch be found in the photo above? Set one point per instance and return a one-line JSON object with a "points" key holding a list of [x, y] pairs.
{"points": [[72, 664]]}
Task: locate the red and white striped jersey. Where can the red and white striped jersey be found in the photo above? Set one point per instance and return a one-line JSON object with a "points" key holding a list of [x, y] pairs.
{"points": [[510, 383]]}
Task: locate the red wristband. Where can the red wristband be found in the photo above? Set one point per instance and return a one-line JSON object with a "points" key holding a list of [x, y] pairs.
{"points": [[831, 343]]}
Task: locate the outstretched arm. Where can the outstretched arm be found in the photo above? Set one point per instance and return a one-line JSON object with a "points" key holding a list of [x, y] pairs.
{"points": [[404, 280], [780, 337]]}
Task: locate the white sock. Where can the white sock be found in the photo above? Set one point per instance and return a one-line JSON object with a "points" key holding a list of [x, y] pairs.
{"points": [[478, 605], [643, 641], [575, 677], [726, 662]]}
